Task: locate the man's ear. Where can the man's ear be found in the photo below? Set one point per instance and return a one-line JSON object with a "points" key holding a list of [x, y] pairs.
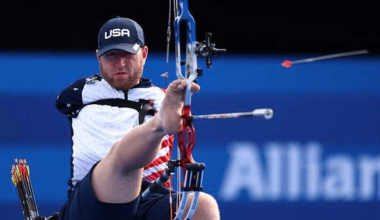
{"points": [[97, 54], [145, 52]]}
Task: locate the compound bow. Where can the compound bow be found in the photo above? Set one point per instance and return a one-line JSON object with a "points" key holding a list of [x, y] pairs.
{"points": [[192, 171]]}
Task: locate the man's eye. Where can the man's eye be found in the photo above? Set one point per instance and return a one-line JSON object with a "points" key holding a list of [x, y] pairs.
{"points": [[110, 56]]}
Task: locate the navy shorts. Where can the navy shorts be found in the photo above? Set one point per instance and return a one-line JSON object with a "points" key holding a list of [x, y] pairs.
{"points": [[83, 205]]}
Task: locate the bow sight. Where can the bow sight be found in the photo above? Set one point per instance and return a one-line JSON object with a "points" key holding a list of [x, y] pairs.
{"points": [[207, 49]]}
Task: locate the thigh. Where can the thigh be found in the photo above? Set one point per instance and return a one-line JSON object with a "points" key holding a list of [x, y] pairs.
{"points": [[83, 205], [157, 207]]}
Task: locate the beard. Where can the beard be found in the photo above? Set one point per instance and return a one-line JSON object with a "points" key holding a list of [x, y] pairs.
{"points": [[125, 83]]}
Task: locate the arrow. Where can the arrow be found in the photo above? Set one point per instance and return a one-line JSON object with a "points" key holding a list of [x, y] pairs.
{"points": [[288, 63]]}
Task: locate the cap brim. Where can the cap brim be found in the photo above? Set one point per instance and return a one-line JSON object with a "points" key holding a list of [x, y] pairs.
{"points": [[130, 48]]}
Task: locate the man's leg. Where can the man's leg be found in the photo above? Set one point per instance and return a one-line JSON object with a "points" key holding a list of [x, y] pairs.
{"points": [[83, 205], [207, 208], [117, 177], [157, 207]]}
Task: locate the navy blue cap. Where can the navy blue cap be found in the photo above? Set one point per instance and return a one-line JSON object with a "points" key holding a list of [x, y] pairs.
{"points": [[121, 34]]}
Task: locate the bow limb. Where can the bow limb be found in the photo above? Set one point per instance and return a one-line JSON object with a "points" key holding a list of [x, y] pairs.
{"points": [[191, 57]]}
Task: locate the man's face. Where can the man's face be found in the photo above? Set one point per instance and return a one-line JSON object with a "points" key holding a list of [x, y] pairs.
{"points": [[121, 69]]}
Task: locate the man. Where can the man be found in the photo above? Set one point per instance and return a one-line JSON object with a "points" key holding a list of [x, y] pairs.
{"points": [[116, 145]]}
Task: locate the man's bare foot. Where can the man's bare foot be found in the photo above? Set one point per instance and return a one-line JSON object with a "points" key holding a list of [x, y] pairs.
{"points": [[171, 108]]}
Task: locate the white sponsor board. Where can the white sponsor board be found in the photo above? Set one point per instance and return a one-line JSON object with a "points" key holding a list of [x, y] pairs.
{"points": [[298, 172]]}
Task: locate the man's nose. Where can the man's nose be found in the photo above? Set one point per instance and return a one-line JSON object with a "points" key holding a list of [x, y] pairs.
{"points": [[120, 61]]}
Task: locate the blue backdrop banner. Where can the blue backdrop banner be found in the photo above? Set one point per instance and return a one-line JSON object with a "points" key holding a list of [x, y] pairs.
{"points": [[317, 158]]}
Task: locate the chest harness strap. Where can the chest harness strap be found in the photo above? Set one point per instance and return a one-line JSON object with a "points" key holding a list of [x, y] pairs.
{"points": [[143, 107]]}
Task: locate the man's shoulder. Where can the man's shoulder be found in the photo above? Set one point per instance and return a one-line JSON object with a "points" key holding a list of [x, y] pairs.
{"points": [[87, 80], [79, 83], [71, 99]]}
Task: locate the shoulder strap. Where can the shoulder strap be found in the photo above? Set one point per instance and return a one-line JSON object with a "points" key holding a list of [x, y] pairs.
{"points": [[144, 107]]}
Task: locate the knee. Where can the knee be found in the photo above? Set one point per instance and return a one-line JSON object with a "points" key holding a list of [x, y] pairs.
{"points": [[207, 208]]}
